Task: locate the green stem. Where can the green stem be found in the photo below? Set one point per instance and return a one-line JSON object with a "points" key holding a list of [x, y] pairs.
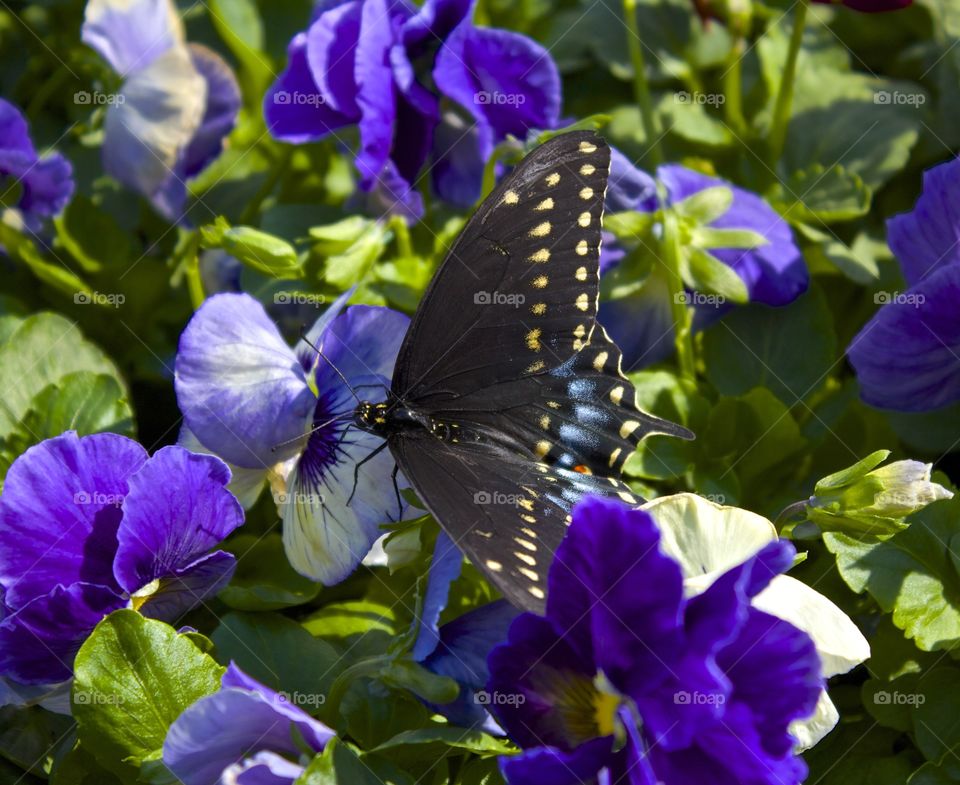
{"points": [[733, 88], [641, 86], [191, 266], [402, 233], [367, 667], [794, 510], [681, 314], [784, 104], [252, 210]]}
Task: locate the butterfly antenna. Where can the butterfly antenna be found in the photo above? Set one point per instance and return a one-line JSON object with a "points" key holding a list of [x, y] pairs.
{"points": [[313, 430], [308, 342]]}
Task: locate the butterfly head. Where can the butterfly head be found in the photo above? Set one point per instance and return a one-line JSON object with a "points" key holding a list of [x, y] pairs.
{"points": [[371, 417]]}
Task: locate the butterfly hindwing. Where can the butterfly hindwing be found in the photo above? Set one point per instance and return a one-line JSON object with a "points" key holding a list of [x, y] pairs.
{"points": [[517, 294]]}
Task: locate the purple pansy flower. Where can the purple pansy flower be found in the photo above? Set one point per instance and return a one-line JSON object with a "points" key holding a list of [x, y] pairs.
{"points": [[89, 524], [626, 674], [906, 356], [177, 103], [459, 648], [246, 733], [45, 184], [774, 273], [285, 416], [422, 86]]}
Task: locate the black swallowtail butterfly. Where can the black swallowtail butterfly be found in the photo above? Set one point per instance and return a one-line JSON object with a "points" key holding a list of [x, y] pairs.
{"points": [[508, 403]]}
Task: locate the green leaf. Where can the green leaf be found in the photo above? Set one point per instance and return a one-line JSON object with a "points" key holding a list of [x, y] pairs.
{"points": [[280, 653], [686, 115], [856, 261], [629, 225], [789, 350], [351, 265], [29, 737], [412, 676], [264, 579], [133, 678], [911, 574], [936, 721], [705, 206], [92, 236], [83, 401], [361, 627], [822, 194], [261, 251], [436, 741], [239, 24], [703, 272], [709, 238], [374, 713], [851, 473], [55, 274], [338, 764]]}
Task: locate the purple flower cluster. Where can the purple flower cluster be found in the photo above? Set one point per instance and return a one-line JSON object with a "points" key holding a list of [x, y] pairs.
{"points": [[907, 357], [45, 184], [628, 676], [423, 86], [90, 524]]}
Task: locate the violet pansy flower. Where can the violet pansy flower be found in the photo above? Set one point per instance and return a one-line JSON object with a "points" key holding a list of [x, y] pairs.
{"points": [[244, 733], [652, 686], [44, 185], [284, 416], [423, 86], [774, 272], [176, 104], [906, 356], [90, 524]]}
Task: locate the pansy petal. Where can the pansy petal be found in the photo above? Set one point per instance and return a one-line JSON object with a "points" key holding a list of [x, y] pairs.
{"points": [[325, 538], [552, 766], [47, 186], [839, 642], [220, 112], [704, 537], [331, 52], [293, 107], [435, 20], [145, 134], [177, 509], [362, 343], [39, 642], [444, 569], [388, 194], [457, 172], [60, 511], [131, 34], [641, 324], [810, 732], [263, 768], [14, 132], [245, 484], [906, 355], [305, 351], [187, 587], [928, 237], [241, 389], [628, 187], [219, 730]]}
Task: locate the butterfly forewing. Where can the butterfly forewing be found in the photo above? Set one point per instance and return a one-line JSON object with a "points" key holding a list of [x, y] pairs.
{"points": [[517, 294]]}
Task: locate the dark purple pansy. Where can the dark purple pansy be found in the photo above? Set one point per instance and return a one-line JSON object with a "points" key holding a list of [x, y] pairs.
{"points": [[177, 104], [625, 675], [422, 86], [774, 273], [276, 413], [42, 186], [91, 524], [246, 734], [907, 357]]}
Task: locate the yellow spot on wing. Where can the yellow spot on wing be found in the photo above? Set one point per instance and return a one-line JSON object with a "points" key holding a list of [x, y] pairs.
{"points": [[584, 219], [540, 230], [586, 193], [583, 302], [614, 455], [525, 543], [542, 449], [536, 367], [581, 274], [545, 422], [616, 394], [553, 178], [533, 340], [587, 147], [582, 248], [494, 565], [527, 558], [536, 591], [553, 404], [526, 504], [587, 169], [600, 360], [580, 331], [628, 427], [540, 282], [538, 309], [546, 204], [543, 255], [510, 197], [628, 498]]}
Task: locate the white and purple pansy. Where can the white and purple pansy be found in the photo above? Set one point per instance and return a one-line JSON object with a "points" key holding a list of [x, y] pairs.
{"points": [[90, 524], [176, 104], [285, 416]]}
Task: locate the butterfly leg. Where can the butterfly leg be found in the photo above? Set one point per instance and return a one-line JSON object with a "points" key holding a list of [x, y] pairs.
{"points": [[356, 469], [396, 489]]}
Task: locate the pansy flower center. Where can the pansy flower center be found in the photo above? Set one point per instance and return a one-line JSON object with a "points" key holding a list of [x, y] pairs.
{"points": [[584, 708]]}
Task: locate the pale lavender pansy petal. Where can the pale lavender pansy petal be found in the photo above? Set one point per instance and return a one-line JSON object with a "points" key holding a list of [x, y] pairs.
{"points": [[131, 34], [177, 508], [928, 237], [331, 48], [629, 187], [263, 768], [305, 351], [293, 108], [241, 389], [75, 485], [145, 134], [187, 587], [906, 356], [220, 113], [220, 730], [39, 642], [444, 569], [362, 343]]}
